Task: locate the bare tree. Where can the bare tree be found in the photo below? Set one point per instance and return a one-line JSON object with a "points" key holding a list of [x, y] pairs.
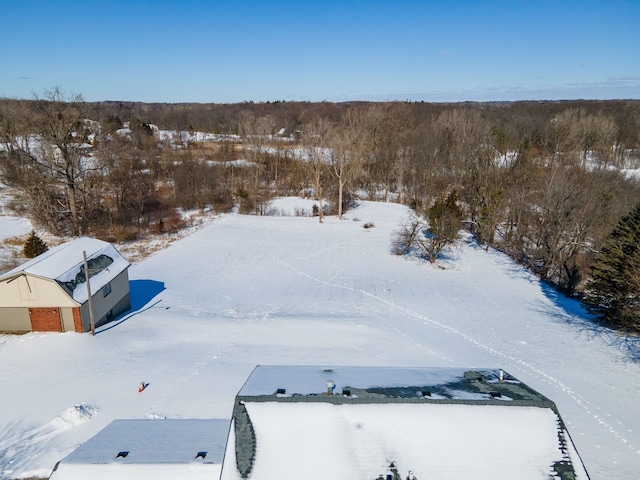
{"points": [[347, 151], [563, 137], [407, 236], [316, 137], [15, 139], [599, 133], [430, 237], [388, 127], [258, 135], [573, 207], [575, 136], [473, 157], [58, 121], [14, 132], [126, 178]]}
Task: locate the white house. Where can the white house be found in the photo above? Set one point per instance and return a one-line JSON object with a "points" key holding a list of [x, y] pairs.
{"points": [[49, 292]]}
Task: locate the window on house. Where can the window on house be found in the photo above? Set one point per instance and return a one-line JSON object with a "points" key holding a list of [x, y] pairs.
{"points": [[106, 290]]}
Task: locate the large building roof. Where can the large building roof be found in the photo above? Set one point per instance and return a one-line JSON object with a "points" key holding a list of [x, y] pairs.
{"points": [[65, 265], [355, 422]]}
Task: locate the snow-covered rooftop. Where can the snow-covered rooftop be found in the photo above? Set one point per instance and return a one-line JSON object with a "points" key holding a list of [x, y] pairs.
{"points": [[154, 449], [388, 383], [354, 422], [65, 265]]}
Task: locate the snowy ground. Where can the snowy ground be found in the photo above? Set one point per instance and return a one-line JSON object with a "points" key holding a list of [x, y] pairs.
{"points": [[246, 290], [13, 226], [10, 226]]}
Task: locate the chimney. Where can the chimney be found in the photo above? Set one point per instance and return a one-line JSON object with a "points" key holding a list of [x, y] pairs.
{"points": [[330, 387]]}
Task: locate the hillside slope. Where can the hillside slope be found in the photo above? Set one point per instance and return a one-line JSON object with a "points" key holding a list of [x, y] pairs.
{"points": [[247, 290]]}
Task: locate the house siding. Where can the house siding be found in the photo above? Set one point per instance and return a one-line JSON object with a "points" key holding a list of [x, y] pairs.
{"points": [[15, 320], [30, 291], [45, 319], [22, 320], [77, 319], [71, 320], [27, 304], [107, 308]]}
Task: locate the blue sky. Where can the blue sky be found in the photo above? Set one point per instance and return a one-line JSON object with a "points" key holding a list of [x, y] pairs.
{"points": [[234, 51]]}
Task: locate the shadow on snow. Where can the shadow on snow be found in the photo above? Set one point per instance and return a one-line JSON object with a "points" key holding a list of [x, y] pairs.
{"points": [[141, 293], [571, 312]]}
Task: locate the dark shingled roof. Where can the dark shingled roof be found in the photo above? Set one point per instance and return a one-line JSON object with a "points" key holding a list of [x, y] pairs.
{"points": [[384, 385]]}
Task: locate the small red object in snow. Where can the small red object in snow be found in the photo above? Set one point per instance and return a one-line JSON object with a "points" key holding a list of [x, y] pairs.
{"points": [[142, 386]]}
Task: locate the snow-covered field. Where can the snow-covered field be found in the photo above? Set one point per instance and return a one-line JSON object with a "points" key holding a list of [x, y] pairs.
{"points": [[10, 226], [246, 290]]}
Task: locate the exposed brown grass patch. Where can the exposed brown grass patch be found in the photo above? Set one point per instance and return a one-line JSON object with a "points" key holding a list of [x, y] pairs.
{"points": [[15, 241]]}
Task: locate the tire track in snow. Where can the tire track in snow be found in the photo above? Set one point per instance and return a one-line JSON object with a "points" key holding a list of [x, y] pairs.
{"points": [[576, 397], [592, 410]]}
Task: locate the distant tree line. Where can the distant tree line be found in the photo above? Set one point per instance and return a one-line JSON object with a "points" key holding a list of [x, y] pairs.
{"points": [[543, 182]]}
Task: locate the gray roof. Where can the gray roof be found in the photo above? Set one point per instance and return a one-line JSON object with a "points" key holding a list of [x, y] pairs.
{"points": [[148, 441], [389, 385]]}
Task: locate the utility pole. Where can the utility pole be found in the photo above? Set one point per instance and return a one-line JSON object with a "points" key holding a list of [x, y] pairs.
{"points": [[86, 275]]}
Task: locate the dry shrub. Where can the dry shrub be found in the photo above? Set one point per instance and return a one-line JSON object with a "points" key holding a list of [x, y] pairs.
{"points": [[223, 203], [121, 234], [172, 222], [164, 190]]}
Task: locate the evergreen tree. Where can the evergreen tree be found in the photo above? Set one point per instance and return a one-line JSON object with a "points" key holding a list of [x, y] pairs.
{"points": [[34, 246], [445, 221], [613, 292]]}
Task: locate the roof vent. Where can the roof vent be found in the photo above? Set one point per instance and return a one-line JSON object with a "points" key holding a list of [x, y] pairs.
{"points": [[281, 391], [346, 392], [425, 393], [330, 387], [201, 455], [122, 454], [495, 395]]}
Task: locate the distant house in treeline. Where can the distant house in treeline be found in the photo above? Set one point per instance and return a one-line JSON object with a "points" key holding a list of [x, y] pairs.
{"points": [[49, 292]]}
